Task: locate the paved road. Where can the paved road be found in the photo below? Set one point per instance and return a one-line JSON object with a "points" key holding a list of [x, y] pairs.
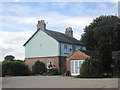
{"points": [[57, 82]]}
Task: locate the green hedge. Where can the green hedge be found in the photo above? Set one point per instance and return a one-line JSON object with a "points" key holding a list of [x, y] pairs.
{"points": [[14, 68]]}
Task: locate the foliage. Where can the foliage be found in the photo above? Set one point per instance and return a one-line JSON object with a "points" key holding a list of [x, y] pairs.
{"points": [[106, 75], [105, 56], [103, 26], [117, 76], [14, 68], [9, 57], [19, 69], [38, 68], [91, 68], [51, 72], [7, 68]]}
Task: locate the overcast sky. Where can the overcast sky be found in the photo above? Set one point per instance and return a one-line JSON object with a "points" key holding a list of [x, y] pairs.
{"points": [[19, 20]]}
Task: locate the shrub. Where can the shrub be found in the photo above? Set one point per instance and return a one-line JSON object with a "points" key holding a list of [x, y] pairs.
{"points": [[51, 72], [106, 75], [90, 68], [14, 68], [38, 68], [54, 71]]}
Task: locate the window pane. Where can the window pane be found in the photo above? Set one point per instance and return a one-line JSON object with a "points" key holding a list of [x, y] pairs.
{"points": [[65, 48], [79, 64], [76, 67]]}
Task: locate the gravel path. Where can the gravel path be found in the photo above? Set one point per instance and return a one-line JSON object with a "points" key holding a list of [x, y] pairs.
{"points": [[57, 82]]}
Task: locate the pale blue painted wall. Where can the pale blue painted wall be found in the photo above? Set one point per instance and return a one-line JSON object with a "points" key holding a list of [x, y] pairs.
{"points": [[62, 50], [69, 46], [41, 45]]}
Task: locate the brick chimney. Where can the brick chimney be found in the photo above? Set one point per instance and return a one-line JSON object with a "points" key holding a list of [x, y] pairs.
{"points": [[69, 31], [41, 25]]}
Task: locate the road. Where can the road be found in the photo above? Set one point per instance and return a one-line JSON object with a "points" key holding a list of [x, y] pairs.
{"points": [[57, 82]]}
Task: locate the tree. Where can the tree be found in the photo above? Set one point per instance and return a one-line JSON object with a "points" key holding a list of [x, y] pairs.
{"points": [[91, 68], [38, 68], [105, 54], [9, 57], [103, 26], [118, 35]]}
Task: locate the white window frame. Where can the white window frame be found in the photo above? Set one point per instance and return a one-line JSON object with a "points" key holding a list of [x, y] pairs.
{"points": [[65, 48], [48, 63], [75, 67]]}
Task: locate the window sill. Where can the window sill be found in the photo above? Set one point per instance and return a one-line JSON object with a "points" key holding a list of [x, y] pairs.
{"points": [[66, 53]]}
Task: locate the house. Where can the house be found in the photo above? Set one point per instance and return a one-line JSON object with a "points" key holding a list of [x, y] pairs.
{"points": [[51, 47], [75, 60]]}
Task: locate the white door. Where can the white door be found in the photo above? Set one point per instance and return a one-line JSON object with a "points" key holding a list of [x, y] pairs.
{"points": [[75, 67]]}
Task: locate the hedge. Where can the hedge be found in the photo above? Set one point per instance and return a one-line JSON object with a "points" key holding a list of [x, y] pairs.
{"points": [[14, 68]]}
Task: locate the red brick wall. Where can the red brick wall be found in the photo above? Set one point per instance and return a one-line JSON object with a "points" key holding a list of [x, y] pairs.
{"points": [[31, 61], [62, 64], [75, 56]]}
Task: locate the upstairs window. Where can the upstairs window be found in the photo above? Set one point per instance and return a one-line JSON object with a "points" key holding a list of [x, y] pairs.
{"points": [[65, 48], [74, 48], [81, 48]]}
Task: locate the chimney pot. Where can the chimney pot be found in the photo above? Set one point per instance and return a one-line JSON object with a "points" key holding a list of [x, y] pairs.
{"points": [[69, 31], [41, 25]]}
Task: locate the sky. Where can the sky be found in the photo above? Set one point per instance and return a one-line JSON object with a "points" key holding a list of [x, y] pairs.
{"points": [[18, 20]]}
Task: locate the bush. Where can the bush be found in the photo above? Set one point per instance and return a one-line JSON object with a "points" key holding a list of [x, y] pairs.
{"points": [[51, 72], [7, 68], [19, 69], [106, 75], [14, 68], [38, 68], [90, 68]]}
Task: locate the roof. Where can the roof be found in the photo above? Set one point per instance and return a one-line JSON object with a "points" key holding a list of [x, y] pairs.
{"points": [[30, 37], [77, 54], [115, 54], [60, 37], [93, 54]]}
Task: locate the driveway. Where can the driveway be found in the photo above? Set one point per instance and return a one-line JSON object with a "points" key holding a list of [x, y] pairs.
{"points": [[57, 82]]}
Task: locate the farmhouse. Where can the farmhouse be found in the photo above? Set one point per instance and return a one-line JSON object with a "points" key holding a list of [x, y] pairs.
{"points": [[51, 47], [61, 51]]}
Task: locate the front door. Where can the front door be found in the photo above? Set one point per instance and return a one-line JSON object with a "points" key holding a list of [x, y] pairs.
{"points": [[75, 67]]}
